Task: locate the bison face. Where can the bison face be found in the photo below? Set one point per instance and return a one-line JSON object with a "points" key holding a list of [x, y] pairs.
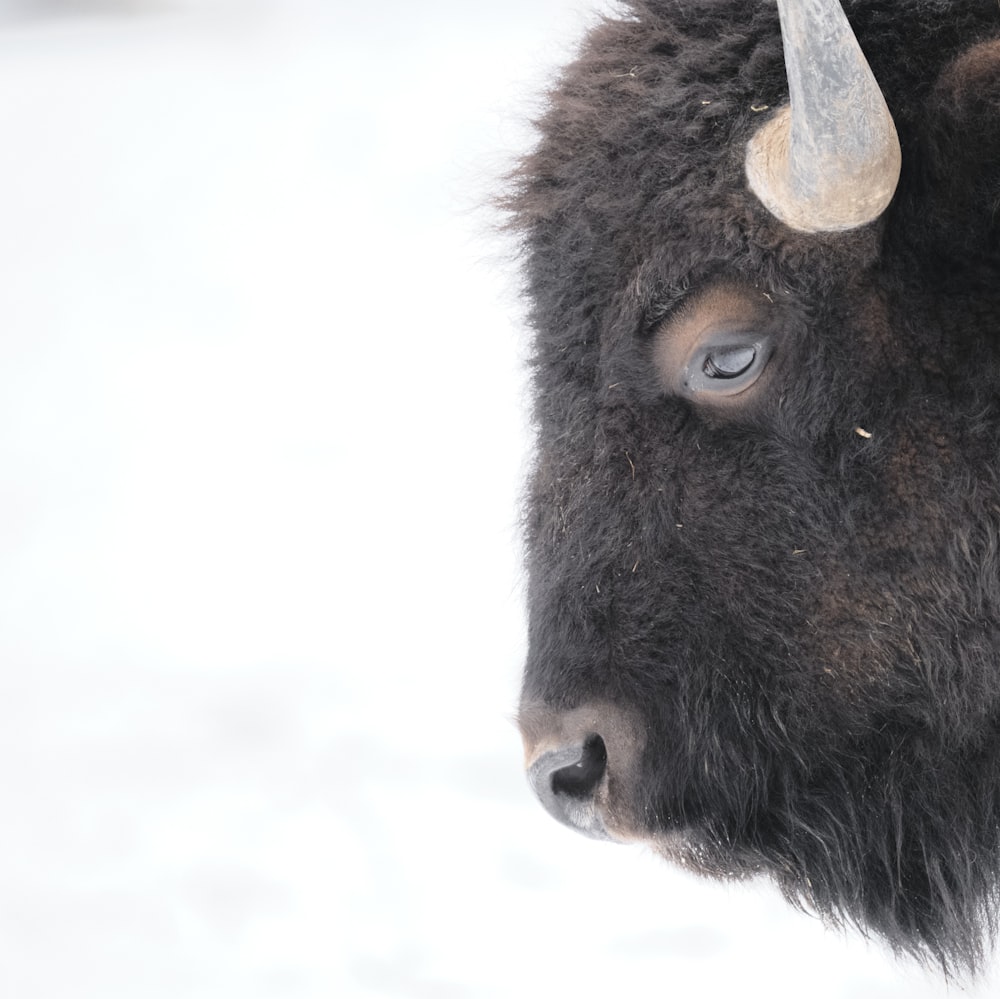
{"points": [[764, 520]]}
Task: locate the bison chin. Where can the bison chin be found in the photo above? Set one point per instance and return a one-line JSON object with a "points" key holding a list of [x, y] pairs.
{"points": [[909, 857]]}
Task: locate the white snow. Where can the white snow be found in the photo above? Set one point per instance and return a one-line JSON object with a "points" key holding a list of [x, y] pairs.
{"points": [[261, 442]]}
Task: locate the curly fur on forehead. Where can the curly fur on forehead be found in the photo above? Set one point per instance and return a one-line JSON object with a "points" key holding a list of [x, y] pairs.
{"points": [[792, 591]]}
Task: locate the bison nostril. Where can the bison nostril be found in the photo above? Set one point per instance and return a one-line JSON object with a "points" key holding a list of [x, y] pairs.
{"points": [[566, 782], [580, 779]]}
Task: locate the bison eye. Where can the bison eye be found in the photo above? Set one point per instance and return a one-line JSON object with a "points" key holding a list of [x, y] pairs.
{"points": [[729, 362], [716, 344], [725, 363]]}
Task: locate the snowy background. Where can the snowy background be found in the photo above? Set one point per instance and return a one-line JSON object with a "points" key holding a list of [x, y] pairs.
{"points": [[262, 435]]}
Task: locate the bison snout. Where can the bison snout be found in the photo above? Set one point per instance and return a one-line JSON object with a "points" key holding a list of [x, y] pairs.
{"points": [[567, 782], [582, 765]]}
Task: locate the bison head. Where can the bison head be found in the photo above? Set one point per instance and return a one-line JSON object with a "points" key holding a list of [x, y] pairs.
{"points": [[763, 524]]}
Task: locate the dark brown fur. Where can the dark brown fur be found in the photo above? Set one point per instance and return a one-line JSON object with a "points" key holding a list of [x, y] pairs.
{"points": [[805, 618]]}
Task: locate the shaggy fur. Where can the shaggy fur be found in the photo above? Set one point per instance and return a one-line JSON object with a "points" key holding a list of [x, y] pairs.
{"points": [[806, 619]]}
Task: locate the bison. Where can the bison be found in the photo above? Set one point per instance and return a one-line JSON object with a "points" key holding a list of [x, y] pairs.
{"points": [[761, 250]]}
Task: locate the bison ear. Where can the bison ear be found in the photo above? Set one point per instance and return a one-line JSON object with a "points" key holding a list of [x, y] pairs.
{"points": [[831, 160], [958, 185]]}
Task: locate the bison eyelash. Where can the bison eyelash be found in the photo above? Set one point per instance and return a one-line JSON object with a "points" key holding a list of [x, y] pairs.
{"points": [[662, 310]]}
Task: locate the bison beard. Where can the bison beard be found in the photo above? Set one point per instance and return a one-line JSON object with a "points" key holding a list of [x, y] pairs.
{"points": [[763, 525]]}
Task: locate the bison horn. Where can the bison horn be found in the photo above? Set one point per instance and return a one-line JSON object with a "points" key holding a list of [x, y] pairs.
{"points": [[831, 161]]}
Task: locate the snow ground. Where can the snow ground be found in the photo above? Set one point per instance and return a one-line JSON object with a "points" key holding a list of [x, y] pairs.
{"points": [[261, 439]]}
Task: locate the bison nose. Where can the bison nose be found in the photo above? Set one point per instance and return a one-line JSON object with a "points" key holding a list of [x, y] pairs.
{"points": [[584, 765], [567, 780]]}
